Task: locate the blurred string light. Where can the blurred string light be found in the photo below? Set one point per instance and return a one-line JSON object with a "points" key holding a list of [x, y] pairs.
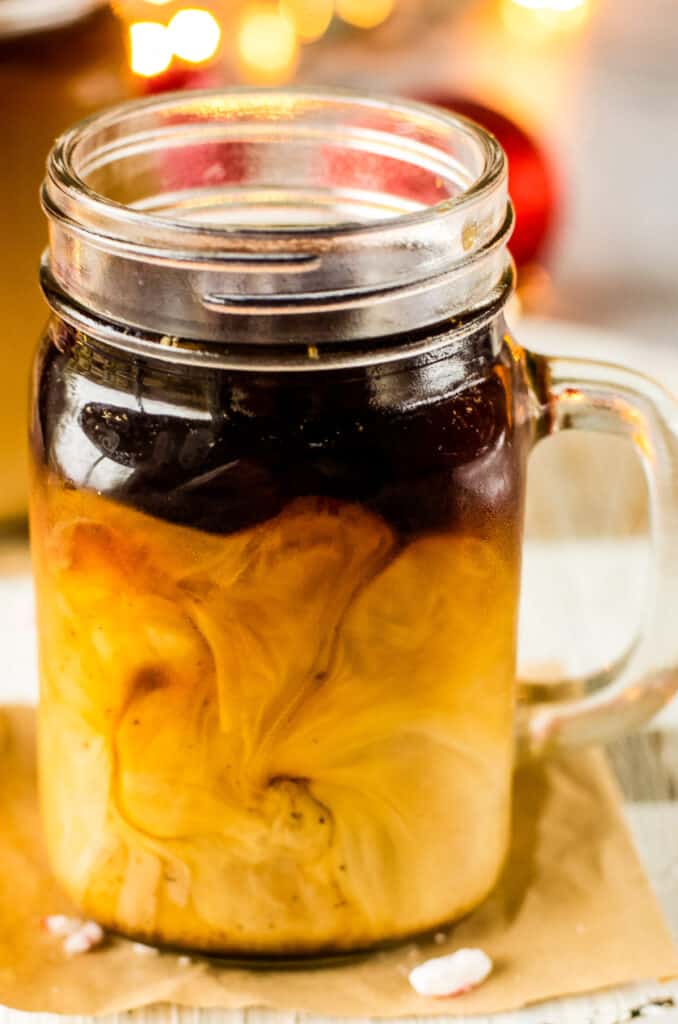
{"points": [[150, 49], [268, 47], [557, 6], [194, 35], [364, 13], [544, 18], [311, 18], [270, 36], [265, 36]]}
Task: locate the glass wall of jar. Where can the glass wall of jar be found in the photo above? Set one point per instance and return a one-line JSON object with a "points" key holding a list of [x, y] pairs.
{"points": [[59, 61], [279, 444]]}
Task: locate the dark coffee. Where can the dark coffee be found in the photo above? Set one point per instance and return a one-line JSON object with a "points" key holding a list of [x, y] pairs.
{"points": [[417, 442]]}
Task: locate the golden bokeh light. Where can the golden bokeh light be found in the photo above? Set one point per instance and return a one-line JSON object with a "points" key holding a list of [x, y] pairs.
{"points": [[311, 18], [557, 6], [540, 19], [364, 13], [194, 35], [150, 48], [267, 45]]}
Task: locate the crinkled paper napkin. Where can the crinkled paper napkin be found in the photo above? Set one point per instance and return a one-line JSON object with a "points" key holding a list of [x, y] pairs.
{"points": [[574, 912]]}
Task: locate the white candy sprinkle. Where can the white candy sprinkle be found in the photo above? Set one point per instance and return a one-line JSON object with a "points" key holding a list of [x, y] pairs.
{"points": [[184, 961], [141, 949], [76, 944], [88, 935], [451, 975], [61, 926]]}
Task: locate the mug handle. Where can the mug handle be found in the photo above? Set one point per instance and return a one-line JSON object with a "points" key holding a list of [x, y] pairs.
{"points": [[580, 394]]}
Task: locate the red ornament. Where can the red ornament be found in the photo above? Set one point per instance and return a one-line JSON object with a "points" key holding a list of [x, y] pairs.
{"points": [[531, 179], [176, 78]]}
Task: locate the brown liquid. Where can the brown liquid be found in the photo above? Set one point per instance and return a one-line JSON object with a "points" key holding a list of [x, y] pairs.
{"points": [[278, 646]]}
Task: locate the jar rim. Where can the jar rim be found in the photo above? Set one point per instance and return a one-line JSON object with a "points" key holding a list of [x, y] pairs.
{"points": [[115, 182], [61, 162]]}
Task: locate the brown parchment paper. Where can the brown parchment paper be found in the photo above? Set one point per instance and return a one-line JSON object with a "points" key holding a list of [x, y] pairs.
{"points": [[573, 912]]}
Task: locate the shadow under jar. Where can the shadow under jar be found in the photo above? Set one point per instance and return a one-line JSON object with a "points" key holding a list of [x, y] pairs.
{"points": [[279, 446]]}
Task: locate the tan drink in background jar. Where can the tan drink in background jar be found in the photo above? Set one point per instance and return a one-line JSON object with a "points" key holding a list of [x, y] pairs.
{"points": [[279, 442], [59, 61]]}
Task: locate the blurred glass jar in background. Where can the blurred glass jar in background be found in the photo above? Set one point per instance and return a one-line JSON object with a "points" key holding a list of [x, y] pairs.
{"points": [[59, 61]]}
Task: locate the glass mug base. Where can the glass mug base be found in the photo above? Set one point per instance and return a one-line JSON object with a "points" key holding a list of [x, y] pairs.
{"points": [[299, 960]]}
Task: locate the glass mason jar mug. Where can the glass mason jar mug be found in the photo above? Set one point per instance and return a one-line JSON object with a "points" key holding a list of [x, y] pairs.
{"points": [[279, 443]]}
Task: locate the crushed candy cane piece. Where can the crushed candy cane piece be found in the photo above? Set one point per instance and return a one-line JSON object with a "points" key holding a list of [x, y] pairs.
{"points": [[93, 931], [87, 937], [141, 949], [77, 943], [61, 925], [451, 975]]}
